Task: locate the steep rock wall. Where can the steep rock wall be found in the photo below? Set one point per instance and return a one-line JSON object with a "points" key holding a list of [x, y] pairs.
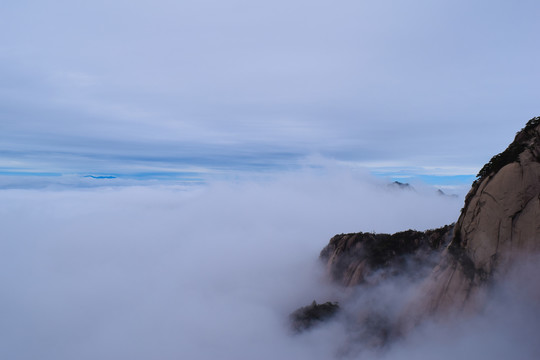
{"points": [[499, 222], [351, 259]]}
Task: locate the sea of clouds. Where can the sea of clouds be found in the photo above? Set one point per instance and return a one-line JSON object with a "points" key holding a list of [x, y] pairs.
{"points": [[210, 272]]}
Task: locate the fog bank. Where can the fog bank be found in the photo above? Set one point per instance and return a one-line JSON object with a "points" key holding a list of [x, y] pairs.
{"points": [[202, 273]]}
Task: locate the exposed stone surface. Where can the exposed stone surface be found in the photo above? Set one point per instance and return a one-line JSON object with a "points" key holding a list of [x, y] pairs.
{"points": [[352, 258], [499, 222]]}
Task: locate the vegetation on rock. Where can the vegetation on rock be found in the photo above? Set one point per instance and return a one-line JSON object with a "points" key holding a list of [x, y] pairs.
{"points": [[346, 252], [308, 316], [511, 154]]}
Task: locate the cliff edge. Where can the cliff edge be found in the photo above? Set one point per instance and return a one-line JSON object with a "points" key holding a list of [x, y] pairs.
{"points": [[500, 221]]}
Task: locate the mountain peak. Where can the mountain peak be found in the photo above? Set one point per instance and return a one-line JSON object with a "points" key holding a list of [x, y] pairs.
{"points": [[525, 138], [498, 223]]}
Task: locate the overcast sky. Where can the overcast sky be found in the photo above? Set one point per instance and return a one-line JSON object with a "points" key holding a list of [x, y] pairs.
{"points": [[154, 88], [312, 95]]}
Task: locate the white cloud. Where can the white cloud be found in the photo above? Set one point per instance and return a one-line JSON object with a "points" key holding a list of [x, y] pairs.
{"points": [[213, 271], [168, 272]]}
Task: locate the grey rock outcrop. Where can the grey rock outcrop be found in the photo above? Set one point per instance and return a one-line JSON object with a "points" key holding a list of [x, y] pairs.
{"points": [[309, 316], [499, 223], [352, 259]]}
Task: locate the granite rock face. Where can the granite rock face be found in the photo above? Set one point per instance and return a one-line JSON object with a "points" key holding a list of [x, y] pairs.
{"points": [[352, 259], [499, 223]]}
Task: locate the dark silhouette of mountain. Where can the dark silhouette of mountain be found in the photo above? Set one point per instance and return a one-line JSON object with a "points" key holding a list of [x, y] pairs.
{"points": [[308, 316]]}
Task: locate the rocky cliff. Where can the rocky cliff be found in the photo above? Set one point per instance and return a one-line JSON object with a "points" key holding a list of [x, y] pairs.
{"points": [[352, 259], [499, 222]]}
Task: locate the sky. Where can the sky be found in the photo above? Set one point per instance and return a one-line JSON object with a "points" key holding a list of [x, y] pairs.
{"points": [[198, 90], [171, 170]]}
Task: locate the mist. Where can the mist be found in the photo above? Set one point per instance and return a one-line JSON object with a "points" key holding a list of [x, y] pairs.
{"points": [[205, 272], [506, 327]]}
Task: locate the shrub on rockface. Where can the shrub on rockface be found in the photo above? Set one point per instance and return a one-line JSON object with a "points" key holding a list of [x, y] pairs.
{"points": [[511, 153], [308, 316]]}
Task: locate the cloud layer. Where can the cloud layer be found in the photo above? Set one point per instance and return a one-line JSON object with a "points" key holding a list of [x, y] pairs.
{"points": [[213, 272], [167, 272]]}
